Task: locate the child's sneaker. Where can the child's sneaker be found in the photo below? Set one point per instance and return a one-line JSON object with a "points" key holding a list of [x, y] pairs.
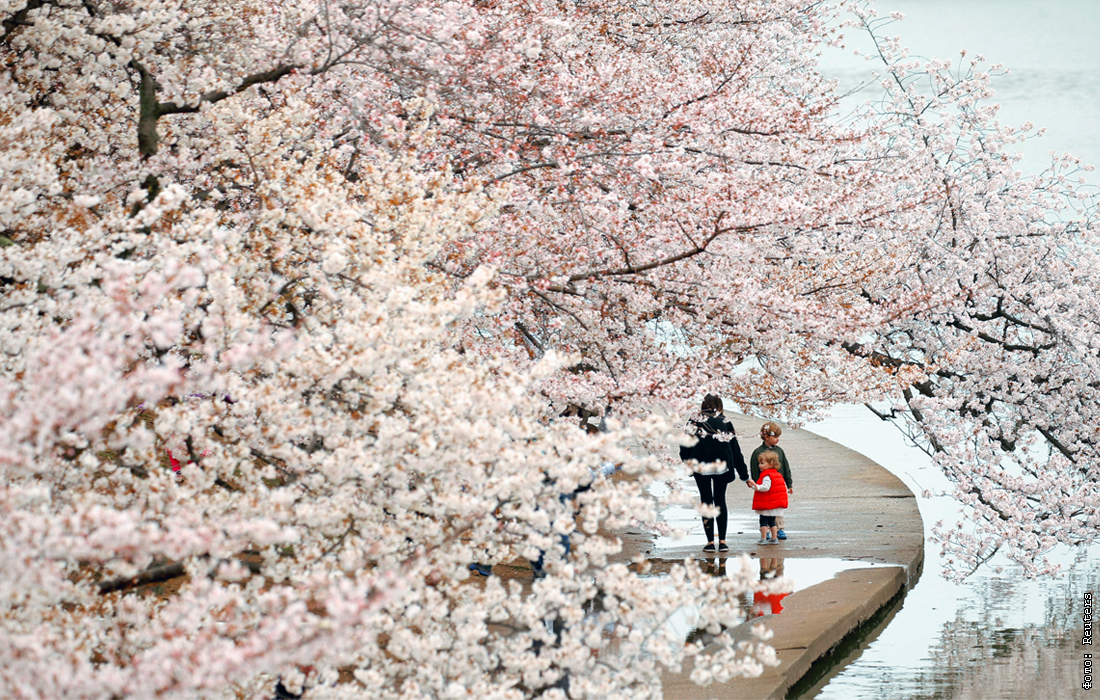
{"points": [[781, 535], [772, 542], [763, 540]]}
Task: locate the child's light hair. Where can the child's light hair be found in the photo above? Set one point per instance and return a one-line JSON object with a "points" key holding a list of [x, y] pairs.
{"points": [[770, 428], [769, 459]]}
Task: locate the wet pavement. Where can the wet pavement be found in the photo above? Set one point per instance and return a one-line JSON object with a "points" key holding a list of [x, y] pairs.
{"points": [[855, 540]]}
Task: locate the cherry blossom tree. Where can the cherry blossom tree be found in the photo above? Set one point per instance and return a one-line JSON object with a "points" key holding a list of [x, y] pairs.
{"points": [[1004, 357], [350, 261], [224, 231], [347, 457], [896, 252]]}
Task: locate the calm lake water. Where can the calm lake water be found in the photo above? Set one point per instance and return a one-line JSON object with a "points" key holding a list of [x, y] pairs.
{"points": [[997, 635]]}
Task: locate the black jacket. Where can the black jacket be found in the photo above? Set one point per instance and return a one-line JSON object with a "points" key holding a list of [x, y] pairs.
{"points": [[714, 446]]}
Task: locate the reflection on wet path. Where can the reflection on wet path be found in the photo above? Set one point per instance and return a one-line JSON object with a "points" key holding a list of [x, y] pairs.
{"points": [[799, 573], [778, 576]]}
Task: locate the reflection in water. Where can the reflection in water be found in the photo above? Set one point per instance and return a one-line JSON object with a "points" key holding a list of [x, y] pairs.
{"points": [[977, 662], [769, 601], [765, 600], [990, 650], [779, 577], [1009, 638], [996, 636]]}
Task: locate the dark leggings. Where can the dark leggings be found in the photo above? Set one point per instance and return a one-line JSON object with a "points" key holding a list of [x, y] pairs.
{"points": [[712, 491]]}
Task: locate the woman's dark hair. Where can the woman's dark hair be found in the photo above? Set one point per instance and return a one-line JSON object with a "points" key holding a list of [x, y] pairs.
{"points": [[712, 404]]}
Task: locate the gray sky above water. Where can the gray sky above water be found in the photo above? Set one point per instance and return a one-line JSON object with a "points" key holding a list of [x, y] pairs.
{"points": [[1050, 48]]}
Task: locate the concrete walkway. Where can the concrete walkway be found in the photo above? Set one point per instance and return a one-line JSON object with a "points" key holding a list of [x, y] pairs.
{"points": [[844, 506]]}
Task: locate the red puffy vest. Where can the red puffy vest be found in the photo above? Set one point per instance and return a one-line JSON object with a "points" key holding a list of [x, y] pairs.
{"points": [[775, 497]]}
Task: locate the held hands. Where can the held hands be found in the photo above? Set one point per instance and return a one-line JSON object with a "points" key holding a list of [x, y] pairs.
{"points": [[751, 484]]}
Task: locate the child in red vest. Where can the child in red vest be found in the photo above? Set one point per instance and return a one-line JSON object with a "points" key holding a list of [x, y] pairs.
{"points": [[770, 497]]}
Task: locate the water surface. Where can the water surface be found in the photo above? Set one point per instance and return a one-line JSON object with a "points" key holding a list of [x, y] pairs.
{"points": [[997, 635]]}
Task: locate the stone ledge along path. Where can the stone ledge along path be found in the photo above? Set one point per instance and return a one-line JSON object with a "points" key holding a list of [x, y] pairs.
{"points": [[844, 506]]}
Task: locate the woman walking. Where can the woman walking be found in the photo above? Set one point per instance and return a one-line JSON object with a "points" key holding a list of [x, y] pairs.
{"points": [[716, 455]]}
